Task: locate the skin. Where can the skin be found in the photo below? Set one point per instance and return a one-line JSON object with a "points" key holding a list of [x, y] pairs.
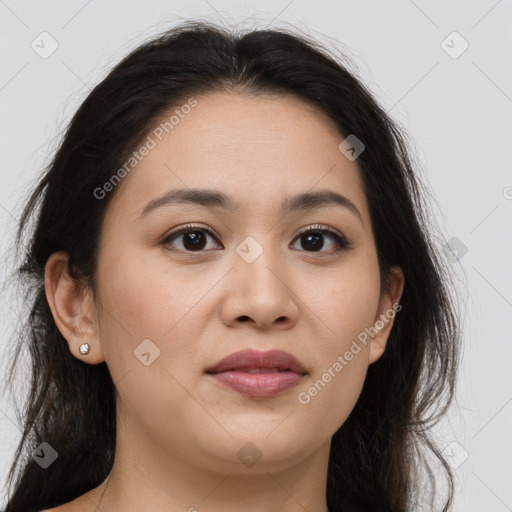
{"points": [[179, 431]]}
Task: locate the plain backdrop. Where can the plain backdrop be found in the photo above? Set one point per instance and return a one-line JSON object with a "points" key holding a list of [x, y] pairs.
{"points": [[441, 69]]}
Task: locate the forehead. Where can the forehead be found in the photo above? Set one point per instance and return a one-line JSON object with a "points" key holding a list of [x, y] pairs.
{"points": [[258, 149]]}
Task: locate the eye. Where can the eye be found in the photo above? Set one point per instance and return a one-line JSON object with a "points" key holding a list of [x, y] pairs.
{"points": [[312, 239], [194, 238]]}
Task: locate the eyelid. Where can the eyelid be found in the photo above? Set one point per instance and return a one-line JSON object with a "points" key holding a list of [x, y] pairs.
{"points": [[320, 227], [207, 227], [190, 227]]}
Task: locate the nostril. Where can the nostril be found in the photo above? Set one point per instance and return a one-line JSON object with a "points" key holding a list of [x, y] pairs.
{"points": [[244, 318]]}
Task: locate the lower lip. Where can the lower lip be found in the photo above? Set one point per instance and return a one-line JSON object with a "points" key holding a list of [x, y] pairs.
{"points": [[260, 385]]}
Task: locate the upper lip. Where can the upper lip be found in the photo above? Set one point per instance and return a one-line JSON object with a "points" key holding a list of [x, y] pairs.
{"points": [[254, 360]]}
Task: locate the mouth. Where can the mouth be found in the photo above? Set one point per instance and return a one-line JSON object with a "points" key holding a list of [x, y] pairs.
{"points": [[258, 374], [262, 370]]}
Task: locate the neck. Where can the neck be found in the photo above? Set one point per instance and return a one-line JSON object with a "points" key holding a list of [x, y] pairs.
{"points": [[146, 477]]}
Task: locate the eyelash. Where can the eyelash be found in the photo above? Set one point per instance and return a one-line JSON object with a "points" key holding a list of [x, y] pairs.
{"points": [[341, 242]]}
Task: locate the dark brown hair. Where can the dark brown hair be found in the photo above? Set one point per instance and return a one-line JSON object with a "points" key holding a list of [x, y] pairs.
{"points": [[377, 454]]}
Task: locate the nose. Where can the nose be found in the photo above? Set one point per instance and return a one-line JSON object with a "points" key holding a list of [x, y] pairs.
{"points": [[260, 294]]}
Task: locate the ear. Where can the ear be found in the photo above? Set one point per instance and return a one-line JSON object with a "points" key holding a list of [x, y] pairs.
{"points": [[73, 308], [387, 309]]}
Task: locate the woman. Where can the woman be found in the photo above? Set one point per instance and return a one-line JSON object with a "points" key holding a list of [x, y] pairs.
{"points": [[236, 301]]}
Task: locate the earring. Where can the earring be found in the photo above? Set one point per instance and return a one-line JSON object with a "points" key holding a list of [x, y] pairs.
{"points": [[84, 348]]}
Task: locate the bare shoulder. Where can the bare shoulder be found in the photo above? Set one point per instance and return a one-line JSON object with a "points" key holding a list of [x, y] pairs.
{"points": [[81, 504], [84, 503], [67, 507]]}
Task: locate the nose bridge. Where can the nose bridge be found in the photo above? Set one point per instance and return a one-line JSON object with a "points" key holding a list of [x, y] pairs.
{"points": [[258, 260], [258, 290]]}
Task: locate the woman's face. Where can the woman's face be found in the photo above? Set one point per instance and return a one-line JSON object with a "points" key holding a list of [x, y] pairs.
{"points": [[241, 278]]}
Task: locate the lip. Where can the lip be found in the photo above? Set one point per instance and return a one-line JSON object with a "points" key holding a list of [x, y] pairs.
{"points": [[277, 370]]}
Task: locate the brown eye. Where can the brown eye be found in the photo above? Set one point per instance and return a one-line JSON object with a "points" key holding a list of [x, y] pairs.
{"points": [[313, 240], [193, 238]]}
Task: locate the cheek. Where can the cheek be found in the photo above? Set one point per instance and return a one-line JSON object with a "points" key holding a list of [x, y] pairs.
{"points": [[345, 301], [331, 396], [140, 302], [147, 299], [347, 308]]}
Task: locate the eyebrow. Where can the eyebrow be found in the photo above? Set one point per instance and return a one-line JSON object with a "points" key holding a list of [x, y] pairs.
{"points": [[211, 198]]}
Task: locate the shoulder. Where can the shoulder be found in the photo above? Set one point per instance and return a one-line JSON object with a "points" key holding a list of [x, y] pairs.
{"points": [[67, 507], [84, 503], [73, 506]]}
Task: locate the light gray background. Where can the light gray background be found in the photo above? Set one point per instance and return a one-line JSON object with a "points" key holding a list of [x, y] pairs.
{"points": [[457, 111]]}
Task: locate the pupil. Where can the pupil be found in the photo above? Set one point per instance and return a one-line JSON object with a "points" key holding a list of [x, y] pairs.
{"points": [[193, 239], [316, 245]]}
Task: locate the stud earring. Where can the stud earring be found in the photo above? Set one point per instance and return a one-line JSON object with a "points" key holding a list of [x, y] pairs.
{"points": [[84, 348]]}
